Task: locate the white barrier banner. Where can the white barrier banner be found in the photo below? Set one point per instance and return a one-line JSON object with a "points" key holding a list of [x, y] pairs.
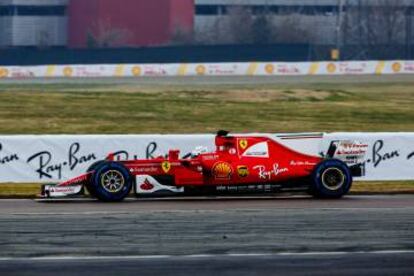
{"points": [[49, 158], [52, 158], [390, 156], [211, 69]]}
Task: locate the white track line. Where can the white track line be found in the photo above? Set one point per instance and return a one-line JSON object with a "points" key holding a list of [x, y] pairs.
{"points": [[204, 256]]}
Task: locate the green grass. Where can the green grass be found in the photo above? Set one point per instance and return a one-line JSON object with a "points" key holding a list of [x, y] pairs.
{"points": [[61, 108], [129, 108]]}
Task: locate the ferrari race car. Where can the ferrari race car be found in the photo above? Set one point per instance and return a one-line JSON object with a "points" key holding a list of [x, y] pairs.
{"points": [[239, 164]]}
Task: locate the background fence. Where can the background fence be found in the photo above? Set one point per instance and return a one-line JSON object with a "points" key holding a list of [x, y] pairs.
{"points": [[199, 54]]}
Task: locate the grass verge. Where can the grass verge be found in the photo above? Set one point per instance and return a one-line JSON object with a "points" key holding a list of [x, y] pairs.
{"points": [[75, 109]]}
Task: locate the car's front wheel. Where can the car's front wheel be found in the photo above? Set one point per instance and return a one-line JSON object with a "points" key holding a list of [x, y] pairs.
{"points": [[331, 178], [111, 181], [89, 187]]}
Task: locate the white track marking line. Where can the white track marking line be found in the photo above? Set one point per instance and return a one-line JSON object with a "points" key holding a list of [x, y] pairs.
{"points": [[201, 209], [204, 256]]}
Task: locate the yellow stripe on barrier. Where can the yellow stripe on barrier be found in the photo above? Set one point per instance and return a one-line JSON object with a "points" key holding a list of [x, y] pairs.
{"points": [[380, 67], [314, 67], [50, 70], [252, 68], [119, 70], [182, 70]]}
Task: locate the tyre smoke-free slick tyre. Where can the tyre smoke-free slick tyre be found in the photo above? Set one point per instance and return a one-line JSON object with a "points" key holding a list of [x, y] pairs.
{"points": [[331, 178], [111, 181], [89, 187]]}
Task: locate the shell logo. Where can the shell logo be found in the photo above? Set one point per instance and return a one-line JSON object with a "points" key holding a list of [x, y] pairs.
{"points": [[3, 72], [222, 170], [270, 68], [396, 67], [136, 71], [201, 70], [67, 71], [331, 68]]}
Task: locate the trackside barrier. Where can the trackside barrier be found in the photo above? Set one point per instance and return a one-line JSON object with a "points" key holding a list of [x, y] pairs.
{"points": [[211, 69], [51, 158]]}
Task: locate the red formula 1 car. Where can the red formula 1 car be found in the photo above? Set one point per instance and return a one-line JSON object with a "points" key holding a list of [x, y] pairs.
{"points": [[240, 164]]}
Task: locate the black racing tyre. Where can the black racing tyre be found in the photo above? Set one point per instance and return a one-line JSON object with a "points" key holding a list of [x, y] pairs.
{"points": [[331, 178], [111, 181], [89, 187]]}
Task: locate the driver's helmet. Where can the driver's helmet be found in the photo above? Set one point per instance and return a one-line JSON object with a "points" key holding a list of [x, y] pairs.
{"points": [[198, 150]]}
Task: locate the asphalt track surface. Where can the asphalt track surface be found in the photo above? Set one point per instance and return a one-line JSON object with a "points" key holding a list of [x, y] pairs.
{"points": [[364, 235]]}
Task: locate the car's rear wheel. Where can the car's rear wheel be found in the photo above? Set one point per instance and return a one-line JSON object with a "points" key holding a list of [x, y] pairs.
{"points": [[111, 181], [331, 178]]}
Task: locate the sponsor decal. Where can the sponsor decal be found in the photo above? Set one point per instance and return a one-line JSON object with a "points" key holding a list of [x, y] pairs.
{"points": [[350, 152], [232, 151], [13, 157], [270, 68], [68, 71], [343, 148], [243, 143], [150, 70], [46, 168], [136, 71], [331, 68], [267, 174], [288, 69], [150, 152], [63, 189], [56, 191], [351, 149], [144, 170], [396, 67], [146, 186], [3, 72], [220, 69], [242, 171], [222, 170], [408, 67], [166, 166], [302, 163], [379, 156], [201, 70], [210, 157], [21, 73]]}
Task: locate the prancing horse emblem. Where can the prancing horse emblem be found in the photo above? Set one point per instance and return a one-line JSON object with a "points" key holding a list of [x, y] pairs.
{"points": [[166, 166], [243, 143]]}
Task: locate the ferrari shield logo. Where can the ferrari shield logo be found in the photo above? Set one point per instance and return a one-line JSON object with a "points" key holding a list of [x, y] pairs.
{"points": [[166, 166], [243, 143]]}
